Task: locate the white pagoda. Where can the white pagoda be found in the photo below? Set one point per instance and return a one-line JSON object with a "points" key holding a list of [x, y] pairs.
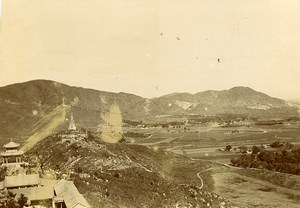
{"points": [[11, 155], [72, 126]]}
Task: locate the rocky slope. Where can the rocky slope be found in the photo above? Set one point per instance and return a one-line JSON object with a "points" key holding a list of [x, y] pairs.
{"points": [[123, 175]]}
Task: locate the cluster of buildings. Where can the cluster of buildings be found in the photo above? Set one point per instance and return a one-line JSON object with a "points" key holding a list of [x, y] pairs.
{"points": [[40, 192]]}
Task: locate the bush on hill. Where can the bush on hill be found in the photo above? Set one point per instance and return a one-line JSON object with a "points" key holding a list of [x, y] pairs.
{"points": [[281, 161]]}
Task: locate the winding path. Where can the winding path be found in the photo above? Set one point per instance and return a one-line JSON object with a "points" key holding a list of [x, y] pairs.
{"points": [[198, 175]]}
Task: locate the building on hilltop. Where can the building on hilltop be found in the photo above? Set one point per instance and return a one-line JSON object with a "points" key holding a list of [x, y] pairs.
{"points": [[72, 126], [73, 137], [11, 156], [40, 192], [72, 134]]}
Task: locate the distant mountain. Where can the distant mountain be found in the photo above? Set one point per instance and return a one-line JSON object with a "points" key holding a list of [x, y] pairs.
{"points": [[37, 108], [237, 100]]}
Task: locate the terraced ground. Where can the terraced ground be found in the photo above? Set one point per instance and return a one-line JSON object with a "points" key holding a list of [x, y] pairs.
{"points": [[204, 142]]}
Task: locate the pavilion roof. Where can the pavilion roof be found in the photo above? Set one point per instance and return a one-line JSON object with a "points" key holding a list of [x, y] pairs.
{"points": [[11, 144]]}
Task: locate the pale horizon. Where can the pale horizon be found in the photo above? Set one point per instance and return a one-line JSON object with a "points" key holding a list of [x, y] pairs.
{"points": [[153, 48]]}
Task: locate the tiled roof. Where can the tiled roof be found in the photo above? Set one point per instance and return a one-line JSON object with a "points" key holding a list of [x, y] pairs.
{"points": [[21, 180], [36, 193], [68, 191], [11, 144]]}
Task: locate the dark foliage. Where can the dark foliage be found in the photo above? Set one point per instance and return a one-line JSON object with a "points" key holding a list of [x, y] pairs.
{"points": [[9, 200], [228, 148], [276, 145], [281, 161]]}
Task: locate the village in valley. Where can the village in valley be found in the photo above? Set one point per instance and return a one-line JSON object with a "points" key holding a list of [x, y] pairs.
{"points": [[23, 183]]}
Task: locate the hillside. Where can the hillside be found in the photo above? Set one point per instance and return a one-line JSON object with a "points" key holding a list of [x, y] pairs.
{"points": [[37, 108], [237, 100], [123, 175]]}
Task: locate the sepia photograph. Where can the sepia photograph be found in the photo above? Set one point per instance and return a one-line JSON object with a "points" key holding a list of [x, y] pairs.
{"points": [[149, 104]]}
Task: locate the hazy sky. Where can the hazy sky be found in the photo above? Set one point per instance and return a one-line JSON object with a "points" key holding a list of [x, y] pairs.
{"points": [[154, 47]]}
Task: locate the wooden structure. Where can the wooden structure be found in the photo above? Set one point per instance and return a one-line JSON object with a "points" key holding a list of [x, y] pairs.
{"points": [[12, 155], [21, 181], [67, 196]]}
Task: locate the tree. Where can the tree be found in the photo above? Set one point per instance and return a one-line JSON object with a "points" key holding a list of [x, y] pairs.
{"points": [[22, 200], [11, 194], [3, 171], [11, 203], [255, 150], [288, 146], [243, 149], [228, 148], [276, 144], [282, 161]]}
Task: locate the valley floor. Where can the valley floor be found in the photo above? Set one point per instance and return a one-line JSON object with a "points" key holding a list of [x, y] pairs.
{"points": [[256, 188], [243, 187]]}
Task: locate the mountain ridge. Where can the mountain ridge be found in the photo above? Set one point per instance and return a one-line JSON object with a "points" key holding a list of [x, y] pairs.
{"points": [[129, 93], [25, 107]]}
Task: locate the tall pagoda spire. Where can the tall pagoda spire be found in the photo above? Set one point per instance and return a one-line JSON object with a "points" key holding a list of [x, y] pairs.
{"points": [[72, 126]]}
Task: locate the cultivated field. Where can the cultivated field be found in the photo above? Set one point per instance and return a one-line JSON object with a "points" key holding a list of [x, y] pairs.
{"points": [[244, 187], [257, 188], [206, 141]]}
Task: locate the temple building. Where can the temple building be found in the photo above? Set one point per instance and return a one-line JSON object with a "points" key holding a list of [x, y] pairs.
{"points": [[11, 155], [72, 126], [21, 181], [72, 134], [39, 191], [67, 195]]}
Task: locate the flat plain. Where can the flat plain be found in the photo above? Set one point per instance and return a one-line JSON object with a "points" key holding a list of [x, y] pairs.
{"points": [[245, 187]]}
